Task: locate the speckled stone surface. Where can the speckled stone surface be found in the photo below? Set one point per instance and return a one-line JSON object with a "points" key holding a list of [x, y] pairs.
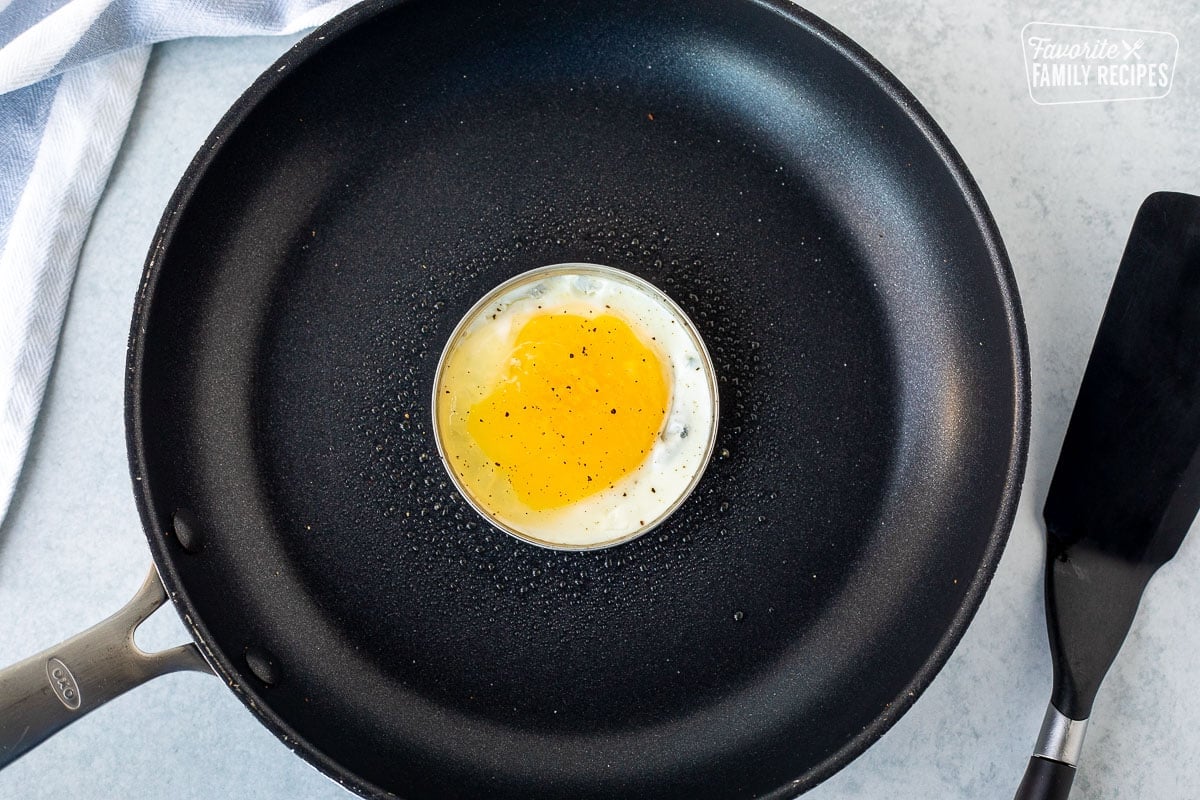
{"points": [[1064, 183]]}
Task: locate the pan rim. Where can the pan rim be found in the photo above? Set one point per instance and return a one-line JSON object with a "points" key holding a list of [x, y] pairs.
{"points": [[860, 59]]}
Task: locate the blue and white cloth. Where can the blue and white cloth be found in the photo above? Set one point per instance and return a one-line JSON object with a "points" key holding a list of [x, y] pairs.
{"points": [[70, 71]]}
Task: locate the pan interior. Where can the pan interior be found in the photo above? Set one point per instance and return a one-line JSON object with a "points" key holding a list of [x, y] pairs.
{"points": [[856, 308]]}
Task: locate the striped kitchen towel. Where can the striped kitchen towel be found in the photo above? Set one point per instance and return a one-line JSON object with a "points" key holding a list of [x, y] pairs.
{"points": [[69, 75]]}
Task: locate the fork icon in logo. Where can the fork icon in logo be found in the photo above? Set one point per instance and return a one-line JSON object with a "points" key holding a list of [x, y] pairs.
{"points": [[1132, 49]]}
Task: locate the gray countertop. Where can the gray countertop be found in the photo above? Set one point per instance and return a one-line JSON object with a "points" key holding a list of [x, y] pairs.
{"points": [[1063, 182]]}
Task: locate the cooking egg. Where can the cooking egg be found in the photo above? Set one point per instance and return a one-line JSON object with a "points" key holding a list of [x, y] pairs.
{"points": [[575, 406]]}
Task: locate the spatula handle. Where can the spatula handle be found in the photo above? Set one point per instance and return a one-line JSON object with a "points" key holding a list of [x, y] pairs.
{"points": [[1052, 767], [1045, 780]]}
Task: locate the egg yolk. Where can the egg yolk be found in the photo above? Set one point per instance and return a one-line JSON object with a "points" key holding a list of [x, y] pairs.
{"points": [[580, 406]]}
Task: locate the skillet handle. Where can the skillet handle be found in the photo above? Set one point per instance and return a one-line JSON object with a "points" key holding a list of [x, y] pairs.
{"points": [[46, 692]]}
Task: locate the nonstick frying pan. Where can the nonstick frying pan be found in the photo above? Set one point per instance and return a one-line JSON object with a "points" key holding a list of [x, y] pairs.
{"points": [[398, 163]]}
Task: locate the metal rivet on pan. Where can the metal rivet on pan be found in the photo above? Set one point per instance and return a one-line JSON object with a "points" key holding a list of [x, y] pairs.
{"points": [[262, 665], [187, 531]]}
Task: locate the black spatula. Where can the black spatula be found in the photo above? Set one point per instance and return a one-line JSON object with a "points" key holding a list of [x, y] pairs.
{"points": [[1127, 484]]}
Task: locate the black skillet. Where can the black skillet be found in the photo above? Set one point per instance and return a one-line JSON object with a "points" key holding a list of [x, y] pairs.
{"points": [[743, 156]]}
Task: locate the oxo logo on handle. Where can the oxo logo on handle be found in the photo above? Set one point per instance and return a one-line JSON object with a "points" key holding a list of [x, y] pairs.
{"points": [[65, 687]]}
